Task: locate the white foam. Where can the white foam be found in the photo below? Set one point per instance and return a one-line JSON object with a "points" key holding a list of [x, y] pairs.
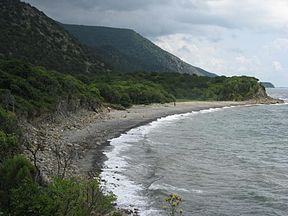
{"points": [[169, 188], [128, 192]]}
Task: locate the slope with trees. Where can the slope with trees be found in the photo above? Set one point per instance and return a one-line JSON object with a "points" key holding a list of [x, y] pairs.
{"points": [[126, 50]]}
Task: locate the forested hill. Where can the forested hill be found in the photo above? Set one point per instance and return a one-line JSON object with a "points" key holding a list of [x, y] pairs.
{"points": [[126, 50], [29, 35]]}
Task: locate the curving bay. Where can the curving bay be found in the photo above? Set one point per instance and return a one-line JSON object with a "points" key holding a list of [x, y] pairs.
{"points": [[230, 161]]}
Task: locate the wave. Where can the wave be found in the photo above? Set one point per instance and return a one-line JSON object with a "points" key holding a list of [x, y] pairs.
{"points": [[170, 188], [129, 193]]}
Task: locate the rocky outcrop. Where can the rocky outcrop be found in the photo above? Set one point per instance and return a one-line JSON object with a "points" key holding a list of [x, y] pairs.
{"points": [[261, 97]]}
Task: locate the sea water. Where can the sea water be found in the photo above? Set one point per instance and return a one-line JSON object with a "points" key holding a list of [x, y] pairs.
{"points": [[223, 161]]}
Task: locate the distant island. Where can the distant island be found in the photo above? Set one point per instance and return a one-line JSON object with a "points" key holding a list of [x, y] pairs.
{"points": [[267, 85]]}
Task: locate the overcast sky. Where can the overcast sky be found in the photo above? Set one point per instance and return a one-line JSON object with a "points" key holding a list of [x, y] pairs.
{"points": [[227, 37]]}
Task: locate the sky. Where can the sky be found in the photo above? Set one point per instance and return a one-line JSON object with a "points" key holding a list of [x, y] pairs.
{"points": [[227, 37]]}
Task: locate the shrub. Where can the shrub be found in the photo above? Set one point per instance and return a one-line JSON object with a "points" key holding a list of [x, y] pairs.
{"points": [[62, 197], [172, 207], [9, 145], [13, 173], [8, 122]]}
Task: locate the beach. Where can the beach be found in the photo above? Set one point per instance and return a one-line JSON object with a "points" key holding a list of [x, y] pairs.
{"points": [[95, 130], [86, 132]]}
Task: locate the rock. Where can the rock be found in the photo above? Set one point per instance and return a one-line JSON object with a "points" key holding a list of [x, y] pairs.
{"points": [[69, 144]]}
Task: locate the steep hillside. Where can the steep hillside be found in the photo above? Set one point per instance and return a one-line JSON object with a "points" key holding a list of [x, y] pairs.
{"points": [[127, 50], [29, 35]]}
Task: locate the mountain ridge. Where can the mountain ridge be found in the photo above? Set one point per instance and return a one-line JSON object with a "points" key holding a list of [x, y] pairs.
{"points": [[28, 34], [126, 50]]}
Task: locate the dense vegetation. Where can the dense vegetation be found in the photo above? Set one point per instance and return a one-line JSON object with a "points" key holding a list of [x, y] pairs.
{"points": [[32, 91], [177, 86], [128, 51], [29, 35]]}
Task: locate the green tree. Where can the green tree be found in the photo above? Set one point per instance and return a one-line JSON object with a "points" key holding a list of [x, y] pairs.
{"points": [[13, 173]]}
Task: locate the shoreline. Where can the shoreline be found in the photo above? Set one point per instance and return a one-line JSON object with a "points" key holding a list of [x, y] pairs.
{"points": [[118, 122], [88, 132], [118, 181], [97, 135]]}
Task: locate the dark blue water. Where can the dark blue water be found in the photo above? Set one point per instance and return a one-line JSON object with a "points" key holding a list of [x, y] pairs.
{"points": [[231, 161]]}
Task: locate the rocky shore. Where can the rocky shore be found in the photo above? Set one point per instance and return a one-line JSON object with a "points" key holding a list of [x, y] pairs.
{"points": [[72, 144]]}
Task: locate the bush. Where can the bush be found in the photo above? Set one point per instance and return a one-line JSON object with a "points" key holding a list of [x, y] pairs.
{"points": [[172, 205], [27, 200], [8, 122], [13, 173], [79, 197], [9, 146]]}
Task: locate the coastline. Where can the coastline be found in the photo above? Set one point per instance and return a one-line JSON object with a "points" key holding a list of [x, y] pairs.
{"points": [[87, 132], [97, 135], [120, 172]]}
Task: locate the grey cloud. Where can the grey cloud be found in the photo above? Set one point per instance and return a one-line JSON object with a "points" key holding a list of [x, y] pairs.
{"points": [[157, 17], [196, 18], [117, 5]]}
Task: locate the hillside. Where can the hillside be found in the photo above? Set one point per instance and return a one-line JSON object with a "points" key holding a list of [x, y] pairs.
{"points": [[267, 85], [28, 34], [126, 50]]}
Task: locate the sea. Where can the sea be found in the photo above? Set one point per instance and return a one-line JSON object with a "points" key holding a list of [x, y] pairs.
{"points": [[222, 162]]}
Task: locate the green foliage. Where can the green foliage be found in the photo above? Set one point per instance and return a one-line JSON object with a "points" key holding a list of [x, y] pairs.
{"points": [[143, 88], [127, 93], [13, 173], [238, 88], [27, 199], [35, 91], [8, 122], [172, 205], [9, 145], [62, 197]]}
